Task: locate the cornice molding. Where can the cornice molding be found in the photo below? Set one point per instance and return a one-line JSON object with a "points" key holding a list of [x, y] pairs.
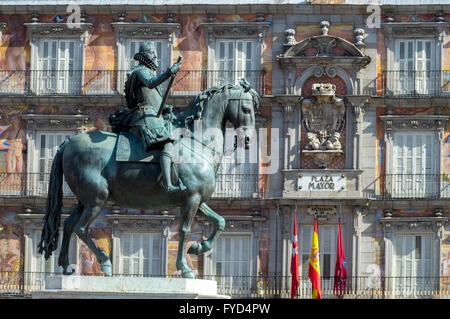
{"points": [[235, 29], [56, 29], [146, 29]]}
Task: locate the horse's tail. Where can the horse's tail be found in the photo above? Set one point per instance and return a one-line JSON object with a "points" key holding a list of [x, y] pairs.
{"points": [[50, 230]]}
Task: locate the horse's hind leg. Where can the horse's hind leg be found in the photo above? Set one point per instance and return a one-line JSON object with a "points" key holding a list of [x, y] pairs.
{"points": [[69, 225], [188, 212], [219, 225], [90, 213]]}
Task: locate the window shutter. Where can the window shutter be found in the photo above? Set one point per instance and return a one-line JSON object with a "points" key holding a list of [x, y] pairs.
{"points": [[231, 258], [140, 253], [125, 242], [413, 163]]}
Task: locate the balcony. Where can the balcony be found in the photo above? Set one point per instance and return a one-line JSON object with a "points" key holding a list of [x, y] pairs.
{"points": [[414, 186], [23, 284], [415, 83], [236, 186], [111, 82]]}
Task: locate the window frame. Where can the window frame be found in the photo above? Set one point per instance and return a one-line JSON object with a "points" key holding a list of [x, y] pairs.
{"points": [[141, 30], [33, 224], [148, 223], [57, 31]]}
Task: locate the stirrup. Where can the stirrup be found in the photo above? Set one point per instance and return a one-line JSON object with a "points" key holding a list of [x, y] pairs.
{"points": [[172, 189]]}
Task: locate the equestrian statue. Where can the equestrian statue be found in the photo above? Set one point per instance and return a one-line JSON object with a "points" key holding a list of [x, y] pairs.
{"points": [[133, 166]]}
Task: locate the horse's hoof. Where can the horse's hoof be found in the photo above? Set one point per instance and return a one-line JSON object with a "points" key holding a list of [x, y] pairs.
{"points": [[195, 249], [106, 267], [189, 274]]}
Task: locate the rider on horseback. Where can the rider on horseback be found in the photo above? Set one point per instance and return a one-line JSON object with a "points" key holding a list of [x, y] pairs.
{"points": [[144, 97]]}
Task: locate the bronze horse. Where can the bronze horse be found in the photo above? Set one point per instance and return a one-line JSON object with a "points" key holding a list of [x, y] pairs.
{"points": [[87, 162]]}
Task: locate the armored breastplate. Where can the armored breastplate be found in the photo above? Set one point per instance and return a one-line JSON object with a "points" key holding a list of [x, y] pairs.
{"points": [[150, 97]]}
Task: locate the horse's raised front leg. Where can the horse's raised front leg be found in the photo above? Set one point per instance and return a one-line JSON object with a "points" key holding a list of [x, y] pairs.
{"points": [[82, 230], [69, 225], [219, 225], [188, 212]]}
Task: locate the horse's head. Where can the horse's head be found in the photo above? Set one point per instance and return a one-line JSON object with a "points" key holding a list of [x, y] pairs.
{"points": [[240, 111]]}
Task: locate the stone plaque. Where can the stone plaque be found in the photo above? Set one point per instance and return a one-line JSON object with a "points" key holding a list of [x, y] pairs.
{"points": [[321, 182], [321, 210]]}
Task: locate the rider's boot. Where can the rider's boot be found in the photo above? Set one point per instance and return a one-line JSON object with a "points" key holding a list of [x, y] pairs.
{"points": [[166, 163]]}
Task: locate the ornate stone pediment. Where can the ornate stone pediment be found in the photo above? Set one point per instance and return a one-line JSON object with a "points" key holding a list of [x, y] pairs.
{"points": [[324, 120], [414, 122], [64, 122], [236, 29], [322, 55], [145, 29], [57, 29], [323, 49]]}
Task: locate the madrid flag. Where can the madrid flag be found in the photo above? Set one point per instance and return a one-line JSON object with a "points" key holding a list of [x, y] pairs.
{"points": [[340, 271], [314, 267], [294, 261]]}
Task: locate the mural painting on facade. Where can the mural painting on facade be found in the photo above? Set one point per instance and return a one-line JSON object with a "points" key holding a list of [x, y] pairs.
{"points": [[100, 57], [100, 232], [11, 247], [192, 260], [12, 149]]}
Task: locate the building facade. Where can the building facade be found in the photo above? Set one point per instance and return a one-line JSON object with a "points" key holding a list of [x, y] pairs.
{"points": [[354, 126]]}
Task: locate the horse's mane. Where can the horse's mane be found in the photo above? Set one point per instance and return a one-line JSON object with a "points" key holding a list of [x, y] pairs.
{"points": [[196, 105]]}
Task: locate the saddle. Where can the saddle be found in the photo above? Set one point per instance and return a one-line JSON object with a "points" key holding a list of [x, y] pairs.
{"points": [[130, 148]]}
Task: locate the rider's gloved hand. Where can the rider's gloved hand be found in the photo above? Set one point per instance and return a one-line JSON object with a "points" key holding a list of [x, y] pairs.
{"points": [[167, 112], [174, 68]]}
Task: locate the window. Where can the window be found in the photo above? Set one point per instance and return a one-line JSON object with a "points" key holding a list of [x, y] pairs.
{"points": [[40, 266], [413, 262], [47, 144], [236, 59], [159, 46], [57, 68], [327, 250], [238, 172], [414, 66], [140, 254], [232, 261], [413, 165]]}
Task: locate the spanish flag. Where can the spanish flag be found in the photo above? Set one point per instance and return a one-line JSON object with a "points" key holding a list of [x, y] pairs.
{"points": [[314, 267]]}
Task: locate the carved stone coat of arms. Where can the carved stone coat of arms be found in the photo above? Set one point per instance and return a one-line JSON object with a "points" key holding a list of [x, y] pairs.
{"points": [[324, 120]]}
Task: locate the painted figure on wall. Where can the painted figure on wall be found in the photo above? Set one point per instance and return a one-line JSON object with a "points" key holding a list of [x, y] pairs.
{"points": [[12, 143], [189, 42], [10, 235], [16, 37]]}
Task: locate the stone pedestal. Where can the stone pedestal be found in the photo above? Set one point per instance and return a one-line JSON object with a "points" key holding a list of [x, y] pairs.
{"points": [[91, 287]]}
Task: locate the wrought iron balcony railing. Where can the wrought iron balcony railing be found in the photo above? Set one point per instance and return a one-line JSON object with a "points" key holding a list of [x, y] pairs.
{"points": [[111, 82], [411, 186], [245, 186], [365, 287], [416, 83]]}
